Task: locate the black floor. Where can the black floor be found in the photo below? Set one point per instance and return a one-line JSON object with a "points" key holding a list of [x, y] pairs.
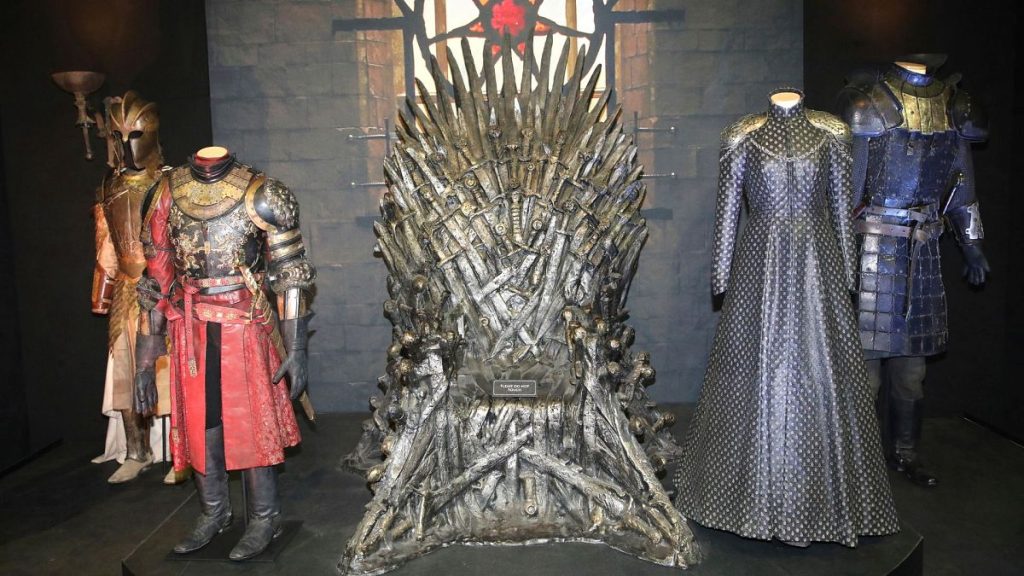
{"points": [[58, 515]]}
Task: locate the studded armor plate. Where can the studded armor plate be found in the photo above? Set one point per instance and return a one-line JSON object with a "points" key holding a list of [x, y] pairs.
{"points": [[784, 442], [912, 174], [210, 227]]}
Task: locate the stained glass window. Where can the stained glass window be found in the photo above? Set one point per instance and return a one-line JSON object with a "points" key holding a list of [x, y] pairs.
{"points": [[481, 22]]}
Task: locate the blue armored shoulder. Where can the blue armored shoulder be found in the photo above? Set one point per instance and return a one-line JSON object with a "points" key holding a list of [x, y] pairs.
{"points": [[966, 113], [867, 106]]}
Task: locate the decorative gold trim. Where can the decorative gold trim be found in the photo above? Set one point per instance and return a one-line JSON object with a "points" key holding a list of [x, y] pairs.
{"points": [[287, 251], [162, 188], [240, 176], [202, 201], [274, 238], [250, 205]]}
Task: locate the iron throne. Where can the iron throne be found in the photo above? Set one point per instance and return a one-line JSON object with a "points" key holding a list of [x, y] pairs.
{"points": [[513, 409]]}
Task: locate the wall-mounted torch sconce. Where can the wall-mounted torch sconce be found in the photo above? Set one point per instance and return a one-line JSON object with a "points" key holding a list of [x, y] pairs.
{"points": [[81, 84]]}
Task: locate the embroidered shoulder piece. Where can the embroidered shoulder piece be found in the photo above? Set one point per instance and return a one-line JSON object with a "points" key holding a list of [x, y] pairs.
{"points": [[740, 129]]}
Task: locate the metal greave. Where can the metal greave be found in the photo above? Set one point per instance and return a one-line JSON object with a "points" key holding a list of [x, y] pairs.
{"points": [[136, 433]]}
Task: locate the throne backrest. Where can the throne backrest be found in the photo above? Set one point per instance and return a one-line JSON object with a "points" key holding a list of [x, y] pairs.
{"points": [[511, 212]]}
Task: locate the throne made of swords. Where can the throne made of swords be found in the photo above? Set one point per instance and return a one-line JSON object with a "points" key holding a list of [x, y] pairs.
{"points": [[513, 409]]}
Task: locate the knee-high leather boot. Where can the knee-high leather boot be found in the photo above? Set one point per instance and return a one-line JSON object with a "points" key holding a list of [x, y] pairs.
{"points": [[264, 513], [906, 416], [213, 496]]}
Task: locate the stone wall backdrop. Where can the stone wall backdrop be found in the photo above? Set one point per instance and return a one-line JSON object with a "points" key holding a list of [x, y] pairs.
{"points": [[295, 99]]}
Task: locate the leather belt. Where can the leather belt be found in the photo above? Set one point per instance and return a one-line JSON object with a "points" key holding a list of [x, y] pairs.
{"points": [[922, 214], [916, 233], [213, 282], [208, 312], [222, 314]]}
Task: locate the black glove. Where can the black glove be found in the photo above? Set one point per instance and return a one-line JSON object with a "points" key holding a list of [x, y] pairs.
{"points": [[148, 290], [295, 333], [975, 264], [148, 347]]}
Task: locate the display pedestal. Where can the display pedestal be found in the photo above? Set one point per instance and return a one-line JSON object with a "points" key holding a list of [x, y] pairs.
{"points": [[331, 502]]}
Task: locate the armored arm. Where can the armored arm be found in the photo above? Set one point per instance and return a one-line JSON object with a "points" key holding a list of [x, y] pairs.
{"points": [[961, 209], [154, 289], [731, 168], [157, 245], [273, 208], [964, 217], [869, 110], [106, 265], [967, 114]]}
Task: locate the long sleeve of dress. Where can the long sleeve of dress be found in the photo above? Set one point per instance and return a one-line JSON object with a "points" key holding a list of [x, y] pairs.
{"points": [[731, 165], [840, 188]]}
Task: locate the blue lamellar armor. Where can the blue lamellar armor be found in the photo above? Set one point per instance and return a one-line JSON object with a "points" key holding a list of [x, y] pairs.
{"points": [[912, 171]]}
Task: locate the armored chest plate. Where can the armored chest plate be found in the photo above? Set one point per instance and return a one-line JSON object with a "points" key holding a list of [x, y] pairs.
{"points": [[203, 201], [924, 114], [211, 231]]}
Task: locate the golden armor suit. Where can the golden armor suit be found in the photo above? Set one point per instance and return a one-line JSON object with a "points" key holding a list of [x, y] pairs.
{"points": [[120, 264]]}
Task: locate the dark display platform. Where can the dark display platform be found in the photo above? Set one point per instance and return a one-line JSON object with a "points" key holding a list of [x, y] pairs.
{"points": [[218, 550], [330, 504]]}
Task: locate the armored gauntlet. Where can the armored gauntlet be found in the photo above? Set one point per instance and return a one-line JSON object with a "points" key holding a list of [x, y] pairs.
{"points": [[148, 348], [295, 333], [150, 344]]}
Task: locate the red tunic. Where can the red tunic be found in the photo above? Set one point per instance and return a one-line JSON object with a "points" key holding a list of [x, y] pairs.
{"points": [[259, 422]]}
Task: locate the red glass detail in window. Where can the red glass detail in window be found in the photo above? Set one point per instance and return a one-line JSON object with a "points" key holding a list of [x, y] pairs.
{"points": [[508, 16]]}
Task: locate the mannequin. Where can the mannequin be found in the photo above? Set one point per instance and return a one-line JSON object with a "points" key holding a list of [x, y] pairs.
{"points": [[136, 166], [784, 442], [913, 67], [229, 351], [912, 173], [786, 99]]}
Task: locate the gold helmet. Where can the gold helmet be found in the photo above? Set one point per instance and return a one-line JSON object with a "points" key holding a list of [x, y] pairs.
{"points": [[134, 133]]}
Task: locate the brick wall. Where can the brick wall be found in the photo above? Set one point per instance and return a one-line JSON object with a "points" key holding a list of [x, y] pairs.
{"points": [[701, 75], [286, 94]]}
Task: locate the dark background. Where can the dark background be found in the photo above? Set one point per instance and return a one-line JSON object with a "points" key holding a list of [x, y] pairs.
{"points": [[52, 348], [52, 384]]}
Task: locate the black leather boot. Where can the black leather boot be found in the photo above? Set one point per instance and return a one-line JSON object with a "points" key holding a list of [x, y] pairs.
{"points": [[906, 426], [213, 496], [264, 513]]}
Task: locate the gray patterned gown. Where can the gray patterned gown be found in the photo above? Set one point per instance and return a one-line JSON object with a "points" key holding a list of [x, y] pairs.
{"points": [[784, 441]]}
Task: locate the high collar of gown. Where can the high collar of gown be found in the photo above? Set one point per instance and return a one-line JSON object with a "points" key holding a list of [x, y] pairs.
{"points": [[794, 112]]}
